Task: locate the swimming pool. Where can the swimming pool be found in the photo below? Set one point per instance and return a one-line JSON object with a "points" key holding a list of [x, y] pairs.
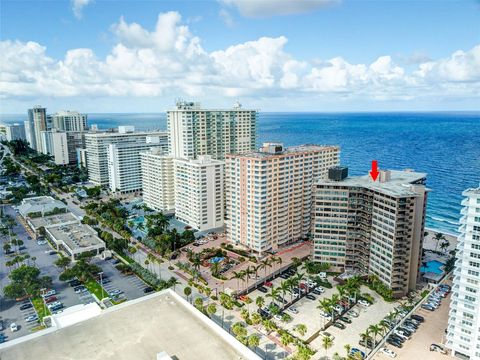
{"points": [[215, 260], [433, 266]]}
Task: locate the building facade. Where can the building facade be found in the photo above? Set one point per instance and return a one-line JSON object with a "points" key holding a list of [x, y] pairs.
{"points": [[372, 227], [269, 193], [463, 332], [194, 131], [158, 182], [69, 121], [97, 143], [15, 132], [37, 120], [124, 165], [199, 189]]}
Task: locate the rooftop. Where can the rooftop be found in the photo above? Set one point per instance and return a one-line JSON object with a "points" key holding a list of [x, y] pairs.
{"points": [[285, 151], [39, 204], [53, 220], [398, 185], [138, 329], [126, 134], [75, 235]]}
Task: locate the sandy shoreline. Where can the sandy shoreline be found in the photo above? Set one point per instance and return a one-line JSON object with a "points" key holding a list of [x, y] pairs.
{"points": [[429, 243]]}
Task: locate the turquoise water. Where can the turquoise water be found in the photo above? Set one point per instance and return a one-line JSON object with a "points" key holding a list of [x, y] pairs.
{"points": [[215, 259], [445, 145], [139, 220], [433, 266]]}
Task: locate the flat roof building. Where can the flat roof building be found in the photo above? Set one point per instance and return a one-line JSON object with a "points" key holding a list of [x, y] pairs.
{"points": [[160, 325], [372, 227], [269, 193], [194, 131], [74, 239], [40, 206], [62, 218]]}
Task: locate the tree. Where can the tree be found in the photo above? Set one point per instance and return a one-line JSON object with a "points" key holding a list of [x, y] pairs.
{"points": [[82, 270], [7, 247], [375, 331], [437, 238], [256, 318], [301, 329], [264, 264], [187, 291], [25, 281], [260, 301], [327, 343], [444, 246], [63, 262], [211, 309], [198, 303], [285, 338], [253, 341], [347, 348]]}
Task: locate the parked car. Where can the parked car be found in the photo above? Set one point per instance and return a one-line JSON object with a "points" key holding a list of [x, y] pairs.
{"points": [[310, 297], [325, 315], [389, 353], [41, 242], [50, 299], [394, 342], [268, 283], [346, 319], [293, 310], [278, 317], [352, 313], [327, 334], [53, 304], [115, 261], [401, 334], [148, 289], [56, 307], [262, 289], [368, 343], [13, 327], [338, 308], [364, 302], [320, 289], [353, 351], [427, 307], [31, 318], [418, 317], [79, 289], [48, 293], [397, 338], [74, 283], [339, 325], [284, 276], [26, 306], [115, 292], [437, 348]]}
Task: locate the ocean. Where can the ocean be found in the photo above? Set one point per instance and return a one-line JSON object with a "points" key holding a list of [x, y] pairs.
{"points": [[445, 145]]}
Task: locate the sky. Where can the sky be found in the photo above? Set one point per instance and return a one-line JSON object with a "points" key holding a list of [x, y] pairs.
{"points": [[274, 55]]}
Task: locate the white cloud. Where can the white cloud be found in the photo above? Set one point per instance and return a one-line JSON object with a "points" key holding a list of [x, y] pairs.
{"points": [[78, 5], [267, 8], [226, 17], [170, 61]]}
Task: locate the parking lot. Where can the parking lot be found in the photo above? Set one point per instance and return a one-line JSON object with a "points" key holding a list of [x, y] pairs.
{"points": [[131, 286]]}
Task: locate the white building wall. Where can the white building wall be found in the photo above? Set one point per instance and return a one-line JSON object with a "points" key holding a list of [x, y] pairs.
{"points": [[15, 132], [60, 147], [463, 332]]}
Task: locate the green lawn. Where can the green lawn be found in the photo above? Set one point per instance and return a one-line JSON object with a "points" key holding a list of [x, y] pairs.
{"points": [[41, 309], [96, 289]]}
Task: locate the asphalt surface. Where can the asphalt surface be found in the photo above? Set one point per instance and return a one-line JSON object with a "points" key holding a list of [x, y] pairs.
{"points": [[131, 286]]}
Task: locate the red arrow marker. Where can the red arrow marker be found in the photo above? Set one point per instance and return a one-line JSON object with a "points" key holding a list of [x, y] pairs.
{"points": [[374, 172]]}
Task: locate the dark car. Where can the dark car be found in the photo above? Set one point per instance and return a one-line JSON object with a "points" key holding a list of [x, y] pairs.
{"points": [[427, 307], [26, 306], [263, 313], [284, 276], [174, 256], [394, 342], [346, 320], [310, 297], [74, 282], [148, 289], [339, 325], [115, 262], [397, 338], [368, 344], [418, 318], [262, 289]]}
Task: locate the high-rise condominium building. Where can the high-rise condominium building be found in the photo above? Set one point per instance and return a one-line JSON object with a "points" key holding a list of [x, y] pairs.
{"points": [[124, 166], [195, 131], [69, 121], [463, 332], [158, 182], [372, 227], [97, 143], [15, 132], [64, 144], [269, 193], [36, 123], [199, 191]]}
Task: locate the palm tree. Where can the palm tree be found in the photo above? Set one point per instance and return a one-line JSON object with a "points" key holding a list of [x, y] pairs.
{"points": [[327, 343], [248, 271], [444, 246], [375, 330], [269, 325], [274, 292], [277, 261], [438, 237], [264, 264], [284, 286], [286, 339], [347, 348], [260, 301], [253, 340], [301, 329], [384, 326], [239, 275]]}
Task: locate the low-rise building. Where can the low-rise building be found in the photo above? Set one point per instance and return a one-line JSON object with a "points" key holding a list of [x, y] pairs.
{"points": [[37, 223], [74, 239], [40, 206]]}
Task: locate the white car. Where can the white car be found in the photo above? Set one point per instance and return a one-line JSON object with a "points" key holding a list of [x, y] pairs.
{"points": [[49, 293], [325, 315], [352, 313], [364, 302], [13, 327], [327, 334], [278, 317], [320, 289], [41, 242], [389, 353], [53, 304], [293, 310]]}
